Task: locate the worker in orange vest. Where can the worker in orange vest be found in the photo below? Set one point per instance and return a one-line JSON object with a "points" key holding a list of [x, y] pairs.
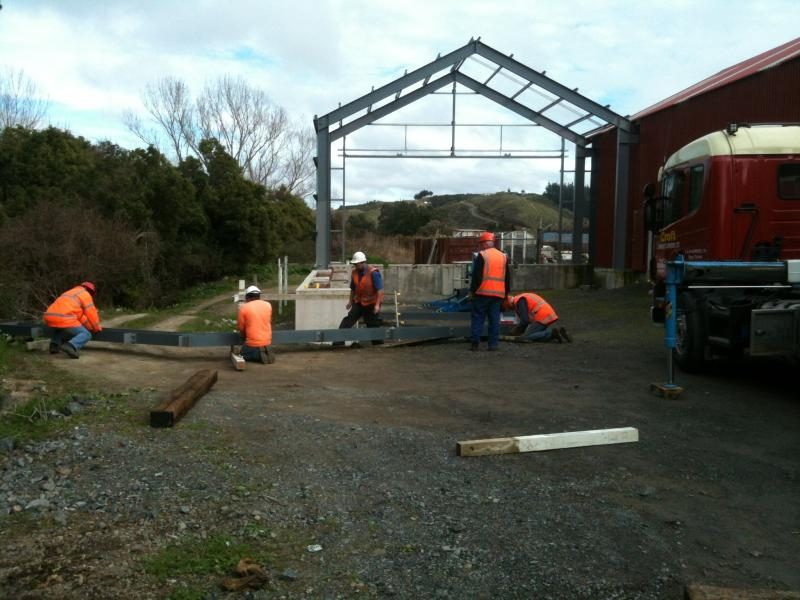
{"points": [[366, 295], [255, 325], [74, 315], [537, 318], [490, 282]]}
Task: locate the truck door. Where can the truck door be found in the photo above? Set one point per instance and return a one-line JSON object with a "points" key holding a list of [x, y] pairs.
{"points": [[767, 208]]}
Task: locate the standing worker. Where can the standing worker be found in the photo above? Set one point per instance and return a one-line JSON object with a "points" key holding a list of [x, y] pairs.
{"points": [[73, 314], [366, 295], [255, 325], [490, 281], [537, 318]]}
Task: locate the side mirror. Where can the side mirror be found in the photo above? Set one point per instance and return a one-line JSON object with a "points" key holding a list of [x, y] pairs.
{"points": [[653, 213]]}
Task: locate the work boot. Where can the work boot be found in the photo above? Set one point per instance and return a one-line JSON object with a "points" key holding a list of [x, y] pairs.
{"points": [[473, 347], [267, 355], [70, 350], [564, 335], [492, 348], [555, 335], [54, 348]]}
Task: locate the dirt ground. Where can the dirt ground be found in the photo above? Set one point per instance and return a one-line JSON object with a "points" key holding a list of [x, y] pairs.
{"points": [[355, 449]]}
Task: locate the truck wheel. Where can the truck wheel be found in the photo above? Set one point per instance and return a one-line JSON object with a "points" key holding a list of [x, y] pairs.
{"points": [[689, 352]]}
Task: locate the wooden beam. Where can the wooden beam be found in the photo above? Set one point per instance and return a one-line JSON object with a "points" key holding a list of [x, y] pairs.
{"points": [[708, 592], [483, 447], [181, 399], [548, 441]]}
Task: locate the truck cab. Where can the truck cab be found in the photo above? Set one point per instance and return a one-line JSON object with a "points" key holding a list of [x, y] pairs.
{"points": [[731, 196]]}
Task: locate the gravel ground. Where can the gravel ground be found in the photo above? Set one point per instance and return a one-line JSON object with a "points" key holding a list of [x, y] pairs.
{"points": [[336, 472]]}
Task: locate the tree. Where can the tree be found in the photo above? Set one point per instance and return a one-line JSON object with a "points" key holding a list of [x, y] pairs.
{"points": [[403, 218], [422, 194], [270, 149], [551, 193], [20, 102]]}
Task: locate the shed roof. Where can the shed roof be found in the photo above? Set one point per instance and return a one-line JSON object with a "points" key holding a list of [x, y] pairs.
{"points": [[751, 66]]}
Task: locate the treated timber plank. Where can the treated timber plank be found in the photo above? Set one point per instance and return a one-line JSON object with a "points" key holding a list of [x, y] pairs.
{"points": [[709, 592], [182, 398], [548, 441], [484, 447]]}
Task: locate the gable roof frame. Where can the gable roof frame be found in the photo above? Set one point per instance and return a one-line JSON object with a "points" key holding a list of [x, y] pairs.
{"points": [[346, 119]]}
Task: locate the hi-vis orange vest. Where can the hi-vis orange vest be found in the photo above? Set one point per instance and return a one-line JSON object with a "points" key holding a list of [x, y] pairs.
{"points": [[255, 323], [538, 309], [73, 308], [365, 292], [494, 273]]}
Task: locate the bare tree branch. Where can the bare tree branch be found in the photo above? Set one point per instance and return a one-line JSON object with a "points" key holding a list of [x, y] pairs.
{"points": [[255, 132], [20, 103], [170, 105]]}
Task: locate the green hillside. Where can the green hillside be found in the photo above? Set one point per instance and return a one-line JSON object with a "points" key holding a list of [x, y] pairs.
{"points": [[501, 211]]}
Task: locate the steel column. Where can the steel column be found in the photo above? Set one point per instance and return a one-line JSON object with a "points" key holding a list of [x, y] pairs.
{"points": [[620, 246], [323, 197], [578, 204]]}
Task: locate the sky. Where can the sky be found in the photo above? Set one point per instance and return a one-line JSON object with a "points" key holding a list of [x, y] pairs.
{"points": [[92, 61]]}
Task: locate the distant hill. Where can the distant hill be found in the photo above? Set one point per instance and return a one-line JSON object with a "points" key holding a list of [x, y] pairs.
{"points": [[501, 211]]}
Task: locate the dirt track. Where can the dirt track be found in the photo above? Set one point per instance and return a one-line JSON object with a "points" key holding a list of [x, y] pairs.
{"points": [[354, 450]]}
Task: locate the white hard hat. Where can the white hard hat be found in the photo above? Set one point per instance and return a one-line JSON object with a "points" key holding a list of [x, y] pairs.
{"points": [[252, 290], [359, 257]]}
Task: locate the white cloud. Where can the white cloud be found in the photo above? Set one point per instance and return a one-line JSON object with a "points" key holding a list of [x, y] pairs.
{"points": [[94, 59]]}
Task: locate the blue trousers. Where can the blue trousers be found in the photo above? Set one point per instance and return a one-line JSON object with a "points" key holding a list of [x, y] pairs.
{"points": [[536, 332], [78, 336], [483, 306]]}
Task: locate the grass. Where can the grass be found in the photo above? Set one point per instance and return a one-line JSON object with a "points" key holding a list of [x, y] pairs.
{"points": [[215, 555], [33, 420], [194, 561]]}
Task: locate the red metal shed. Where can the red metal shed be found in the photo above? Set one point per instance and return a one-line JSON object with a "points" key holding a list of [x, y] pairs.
{"points": [[762, 89]]}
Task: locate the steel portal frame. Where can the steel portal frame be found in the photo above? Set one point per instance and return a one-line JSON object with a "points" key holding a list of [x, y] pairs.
{"points": [[348, 118]]}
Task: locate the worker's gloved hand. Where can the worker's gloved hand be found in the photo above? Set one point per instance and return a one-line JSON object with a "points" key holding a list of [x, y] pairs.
{"points": [[349, 305], [377, 308]]}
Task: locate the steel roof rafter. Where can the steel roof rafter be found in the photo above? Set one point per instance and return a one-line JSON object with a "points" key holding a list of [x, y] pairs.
{"points": [[451, 64], [520, 109]]}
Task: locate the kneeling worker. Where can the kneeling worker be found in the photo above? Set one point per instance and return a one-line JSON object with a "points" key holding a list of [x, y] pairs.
{"points": [[536, 318], [255, 325], [73, 314], [366, 295]]}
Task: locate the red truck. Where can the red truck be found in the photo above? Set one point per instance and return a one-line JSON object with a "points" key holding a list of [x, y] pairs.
{"points": [[727, 207]]}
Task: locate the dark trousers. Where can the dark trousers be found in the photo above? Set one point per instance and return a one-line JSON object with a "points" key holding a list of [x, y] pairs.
{"points": [[483, 306], [357, 311]]}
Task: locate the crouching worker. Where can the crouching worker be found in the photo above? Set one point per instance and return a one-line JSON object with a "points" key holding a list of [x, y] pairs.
{"points": [[73, 315], [366, 295], [537, 319], [255, 325]]}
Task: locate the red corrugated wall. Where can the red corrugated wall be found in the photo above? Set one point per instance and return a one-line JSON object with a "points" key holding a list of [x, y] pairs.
{"points": [[769, 96]]}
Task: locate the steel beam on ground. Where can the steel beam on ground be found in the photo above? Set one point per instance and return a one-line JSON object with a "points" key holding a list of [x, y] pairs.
{"points": [[219, 339]]}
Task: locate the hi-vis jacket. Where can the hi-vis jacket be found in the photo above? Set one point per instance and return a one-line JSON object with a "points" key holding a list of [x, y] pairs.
{"points": [[493, 282], [73, 308], [364, 292], [255, 323], [538, 309]]}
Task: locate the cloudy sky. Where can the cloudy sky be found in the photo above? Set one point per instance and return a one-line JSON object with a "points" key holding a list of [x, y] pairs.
{"points": [[92, 61]]}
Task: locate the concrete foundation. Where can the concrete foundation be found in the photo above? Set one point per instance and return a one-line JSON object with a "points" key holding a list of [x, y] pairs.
{"points": [[610, 279], [323, 295], [322, 298]]}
